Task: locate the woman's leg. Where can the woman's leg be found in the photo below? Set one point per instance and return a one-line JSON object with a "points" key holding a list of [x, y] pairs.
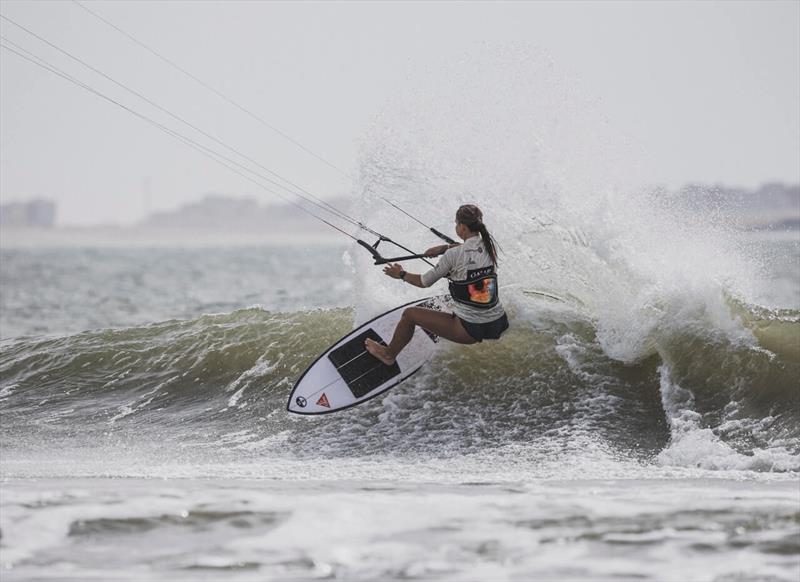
{"points": [[442, 324]]}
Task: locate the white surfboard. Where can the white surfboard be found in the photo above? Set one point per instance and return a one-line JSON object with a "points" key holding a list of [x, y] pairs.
{"points": [[346, 374]]}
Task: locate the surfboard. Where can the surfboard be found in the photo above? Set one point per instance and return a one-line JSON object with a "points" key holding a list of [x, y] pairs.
{"points": [[346, 374]]}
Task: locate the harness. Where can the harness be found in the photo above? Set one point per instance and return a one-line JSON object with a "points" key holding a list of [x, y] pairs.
{"points": [[479, 289]]}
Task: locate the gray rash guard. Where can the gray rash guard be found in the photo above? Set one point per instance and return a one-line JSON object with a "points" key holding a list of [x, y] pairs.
{"points": [[454, 264]]}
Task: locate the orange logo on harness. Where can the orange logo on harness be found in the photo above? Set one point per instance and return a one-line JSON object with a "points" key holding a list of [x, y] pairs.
{"points": [[482, 291], [323, 401]]}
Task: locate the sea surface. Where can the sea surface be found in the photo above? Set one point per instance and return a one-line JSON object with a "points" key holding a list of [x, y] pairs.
{"points": [[145, 437]]}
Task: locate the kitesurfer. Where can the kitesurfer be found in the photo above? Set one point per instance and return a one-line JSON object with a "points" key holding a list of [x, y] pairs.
{"points": [[471, 269]]}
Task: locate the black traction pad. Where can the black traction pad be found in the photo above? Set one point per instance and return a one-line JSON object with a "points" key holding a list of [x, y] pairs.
{"points": [[362, 372]]}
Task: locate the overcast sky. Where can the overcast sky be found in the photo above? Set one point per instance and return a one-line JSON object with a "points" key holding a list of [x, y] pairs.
{"points": [[710, 90]]}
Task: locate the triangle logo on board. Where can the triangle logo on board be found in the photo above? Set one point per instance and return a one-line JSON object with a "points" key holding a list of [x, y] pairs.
{"points": [[323, 401]]}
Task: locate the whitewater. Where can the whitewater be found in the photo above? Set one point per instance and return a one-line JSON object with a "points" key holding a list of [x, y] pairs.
{"points": [[640, 419]]}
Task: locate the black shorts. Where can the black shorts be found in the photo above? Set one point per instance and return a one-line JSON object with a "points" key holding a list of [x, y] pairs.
{"points": [[481, 331]]}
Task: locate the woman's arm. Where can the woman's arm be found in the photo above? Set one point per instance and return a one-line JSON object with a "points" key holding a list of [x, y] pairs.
{"points": [[439, 250], [395, 270]]}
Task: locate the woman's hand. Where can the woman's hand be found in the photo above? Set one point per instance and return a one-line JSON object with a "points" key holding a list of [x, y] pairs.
{"points": [[393, 271]]}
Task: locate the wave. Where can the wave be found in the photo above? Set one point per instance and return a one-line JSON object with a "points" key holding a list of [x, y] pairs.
{"points": [[220, 382]]}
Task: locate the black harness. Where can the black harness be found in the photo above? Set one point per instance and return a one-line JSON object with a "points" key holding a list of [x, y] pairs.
{"points": [[479, 289]]}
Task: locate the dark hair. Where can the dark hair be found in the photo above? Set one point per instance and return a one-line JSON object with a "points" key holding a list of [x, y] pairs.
{"points": [[471, 216]]}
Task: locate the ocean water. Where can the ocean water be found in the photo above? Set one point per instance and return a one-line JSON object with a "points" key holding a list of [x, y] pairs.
{"points": [[145, 437], [639, 420]]}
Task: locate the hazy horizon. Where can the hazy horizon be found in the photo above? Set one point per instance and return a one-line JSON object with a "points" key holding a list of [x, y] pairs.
{"points": [[708, 92]]}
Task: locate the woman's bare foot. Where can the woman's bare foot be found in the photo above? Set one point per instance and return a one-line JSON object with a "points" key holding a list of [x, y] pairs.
{"points": [[379, 351]]}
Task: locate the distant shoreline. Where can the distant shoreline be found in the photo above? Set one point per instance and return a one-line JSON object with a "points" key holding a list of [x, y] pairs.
{"points": [[137, 237]]}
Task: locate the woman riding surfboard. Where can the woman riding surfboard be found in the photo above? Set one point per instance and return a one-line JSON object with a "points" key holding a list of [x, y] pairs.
{"points": [[471, 269]]}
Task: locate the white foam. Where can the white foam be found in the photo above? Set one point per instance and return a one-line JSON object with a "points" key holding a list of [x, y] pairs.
{"points": [[261, 368], [693, 445]]}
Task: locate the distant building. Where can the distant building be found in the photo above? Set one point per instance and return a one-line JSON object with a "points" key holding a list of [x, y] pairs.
{"points": [[36, 213], [213, 211]]}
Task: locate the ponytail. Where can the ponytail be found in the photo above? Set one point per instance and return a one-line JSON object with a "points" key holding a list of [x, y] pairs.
{"points": [[488, 242], [472, 217]]}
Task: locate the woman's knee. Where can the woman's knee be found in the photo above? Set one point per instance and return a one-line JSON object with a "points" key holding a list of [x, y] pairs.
{"points": [[411, 315]]}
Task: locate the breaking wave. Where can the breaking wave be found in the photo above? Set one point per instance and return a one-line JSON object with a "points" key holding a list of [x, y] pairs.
{"points": [[220, 383]]}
